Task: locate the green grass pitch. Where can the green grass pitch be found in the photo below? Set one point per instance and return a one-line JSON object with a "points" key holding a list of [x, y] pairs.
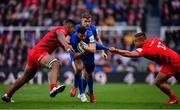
{"points": [[109, 96]]}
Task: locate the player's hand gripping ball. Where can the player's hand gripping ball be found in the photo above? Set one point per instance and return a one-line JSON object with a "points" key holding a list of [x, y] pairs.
{"points": [[81, 47]]}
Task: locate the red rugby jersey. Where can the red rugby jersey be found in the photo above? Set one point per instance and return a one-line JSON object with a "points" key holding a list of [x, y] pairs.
{"points": [[156, 51], [50, 41]]}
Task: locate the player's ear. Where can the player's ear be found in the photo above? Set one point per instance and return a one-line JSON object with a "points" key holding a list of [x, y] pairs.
{"points": [[81, 19]]}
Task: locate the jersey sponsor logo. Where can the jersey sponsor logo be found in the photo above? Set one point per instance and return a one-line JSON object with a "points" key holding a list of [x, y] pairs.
{"points": [[91, 39], [139, 49]]}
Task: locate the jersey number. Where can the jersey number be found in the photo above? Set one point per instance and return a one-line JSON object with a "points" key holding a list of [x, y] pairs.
{"points": [[165, 59], [161, 45]]}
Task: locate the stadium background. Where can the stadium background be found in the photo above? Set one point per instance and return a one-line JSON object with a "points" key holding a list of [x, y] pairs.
{"points": [[24, 23]]}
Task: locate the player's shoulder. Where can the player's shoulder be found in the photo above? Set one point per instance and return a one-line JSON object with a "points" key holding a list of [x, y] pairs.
{"points": [[73, 38], [93, 27], [90, 36], [74, 35], [153, 39], [77, 26], [61, 29], [150, 42], [148, 47], [89, 33]]}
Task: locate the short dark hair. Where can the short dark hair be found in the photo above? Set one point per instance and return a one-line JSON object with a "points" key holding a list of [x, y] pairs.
{"points": [[82, 30], [69, 21], [86, 15], [140, 34]]}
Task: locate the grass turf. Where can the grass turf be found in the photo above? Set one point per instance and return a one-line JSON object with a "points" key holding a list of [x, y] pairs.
{"points": [[109, 96]]}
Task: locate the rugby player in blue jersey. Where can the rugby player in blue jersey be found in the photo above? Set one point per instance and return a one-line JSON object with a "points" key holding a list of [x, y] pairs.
{"points": [[86, 21], [85, 45]]}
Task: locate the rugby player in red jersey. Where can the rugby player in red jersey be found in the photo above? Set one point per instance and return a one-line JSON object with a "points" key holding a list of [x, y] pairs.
{"points": [[153, 49], [40, 56]]}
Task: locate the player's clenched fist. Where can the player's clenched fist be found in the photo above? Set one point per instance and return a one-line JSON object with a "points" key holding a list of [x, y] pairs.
{"points": [[83, 45]]}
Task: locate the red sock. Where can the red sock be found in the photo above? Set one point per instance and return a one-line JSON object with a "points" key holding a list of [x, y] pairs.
{"points": [[52, 85], [10, 93], [172, 96]]}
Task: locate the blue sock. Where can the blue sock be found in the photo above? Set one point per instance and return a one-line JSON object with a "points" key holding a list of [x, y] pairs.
{"points": [[90, 85], [81, 88], [84, 84], [77, 80]]}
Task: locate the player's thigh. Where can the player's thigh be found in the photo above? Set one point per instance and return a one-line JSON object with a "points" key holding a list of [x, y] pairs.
{"points": [[89, 69], [177, 76], [48, 60], [161, 78], [78, 65]]}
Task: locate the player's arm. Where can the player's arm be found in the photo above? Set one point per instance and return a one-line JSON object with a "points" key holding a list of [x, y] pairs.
{"points": [[125, 53], [91, 47], [96, 34], [100, 41], [63, 41]]}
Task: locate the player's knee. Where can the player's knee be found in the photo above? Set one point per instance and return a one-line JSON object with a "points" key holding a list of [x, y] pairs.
{"points": [[89, 69], [56, 64], [79, 70], [89, 74], [157, 83]]}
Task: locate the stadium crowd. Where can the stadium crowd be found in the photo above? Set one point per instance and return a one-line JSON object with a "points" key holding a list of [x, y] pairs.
{"points": [[170, 13], [172, 39], [14, 47], [53, 12]]}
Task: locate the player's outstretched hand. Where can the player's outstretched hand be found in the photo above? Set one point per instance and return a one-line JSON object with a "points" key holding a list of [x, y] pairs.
{"points": [[112, 49], [69, 48], [103, 54]]}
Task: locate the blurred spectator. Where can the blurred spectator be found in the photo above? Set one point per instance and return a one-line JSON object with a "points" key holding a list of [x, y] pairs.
{"points": [[128, 40], [154, 7], [172, 39], [53, 12], [170, 12]]}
